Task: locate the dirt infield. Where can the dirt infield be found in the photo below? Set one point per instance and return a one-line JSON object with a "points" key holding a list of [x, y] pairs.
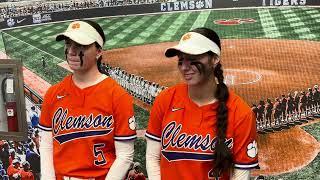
{"points": [[285, 151], [255, 69], [258, 68]]}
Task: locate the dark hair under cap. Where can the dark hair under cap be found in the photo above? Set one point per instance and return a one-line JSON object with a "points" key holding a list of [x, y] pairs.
{"points": [[97, 27]]}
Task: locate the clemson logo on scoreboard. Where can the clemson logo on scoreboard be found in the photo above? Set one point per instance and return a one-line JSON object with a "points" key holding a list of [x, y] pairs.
{"points": [[234, 21]]}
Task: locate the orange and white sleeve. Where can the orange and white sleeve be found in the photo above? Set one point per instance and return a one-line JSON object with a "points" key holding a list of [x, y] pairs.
{"points": [[155, 120], [125, 123], [245, 144], [46, 140], [125, 133], [153, 135], [45, 122]]}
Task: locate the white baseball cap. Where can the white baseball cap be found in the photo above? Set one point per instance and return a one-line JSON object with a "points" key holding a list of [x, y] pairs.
{"points": [[15, 161], [82, 33], [193, 43]]}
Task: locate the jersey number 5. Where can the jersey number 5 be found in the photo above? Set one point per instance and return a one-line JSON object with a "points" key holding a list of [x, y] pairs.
{"points": [[98, 154]]}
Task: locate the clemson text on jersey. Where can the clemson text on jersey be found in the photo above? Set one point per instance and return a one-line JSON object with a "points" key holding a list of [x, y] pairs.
{"points": [[89, 125], [171, 137]]}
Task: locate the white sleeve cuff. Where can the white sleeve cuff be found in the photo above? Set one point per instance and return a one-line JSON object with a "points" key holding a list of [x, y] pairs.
{"points": [[153, 159], [124, 158], [46, 158], [240, 174]]}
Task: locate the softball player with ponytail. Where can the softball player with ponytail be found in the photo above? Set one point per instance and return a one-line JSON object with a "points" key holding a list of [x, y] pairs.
{"points": [[200, 129]]}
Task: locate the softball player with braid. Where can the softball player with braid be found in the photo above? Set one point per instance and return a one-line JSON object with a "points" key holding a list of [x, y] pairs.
{"points": [[200, 129], [87, 119]]}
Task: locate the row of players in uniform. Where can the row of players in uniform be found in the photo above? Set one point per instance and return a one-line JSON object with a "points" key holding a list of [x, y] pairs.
{"points": [[283, 110], [136, 85], [286, 109]]}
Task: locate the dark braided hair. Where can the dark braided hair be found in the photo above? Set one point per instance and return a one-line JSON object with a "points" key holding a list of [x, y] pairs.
{"points": [[222, 156]]}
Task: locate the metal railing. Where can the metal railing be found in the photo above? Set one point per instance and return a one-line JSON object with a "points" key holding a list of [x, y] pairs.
{"points": [[33, 96]]}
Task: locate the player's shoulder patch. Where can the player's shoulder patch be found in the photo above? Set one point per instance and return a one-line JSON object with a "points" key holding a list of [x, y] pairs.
{"points": [[132, 123], [252, 149]]}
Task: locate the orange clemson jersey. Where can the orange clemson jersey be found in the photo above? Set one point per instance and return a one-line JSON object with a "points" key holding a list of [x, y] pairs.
{"points": [[26, 175], [187, 134], [84, 125]]}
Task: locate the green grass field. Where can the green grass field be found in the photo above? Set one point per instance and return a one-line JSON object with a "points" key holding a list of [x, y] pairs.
{"points": [[30, 43], [284, 23], [140, 151], [314, 130], [293, 23], [1, 44]]}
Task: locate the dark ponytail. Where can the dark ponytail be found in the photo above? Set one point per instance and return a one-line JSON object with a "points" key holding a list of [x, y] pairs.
{"points": [[99, 64], [223, 161], [222, 156]]}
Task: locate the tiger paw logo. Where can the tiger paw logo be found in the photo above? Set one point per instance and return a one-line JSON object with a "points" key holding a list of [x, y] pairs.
{"points": [[76, 26], [234, 21], [186, 37], [199, 4], [132, 123], [252, 149], [10, 22]]}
